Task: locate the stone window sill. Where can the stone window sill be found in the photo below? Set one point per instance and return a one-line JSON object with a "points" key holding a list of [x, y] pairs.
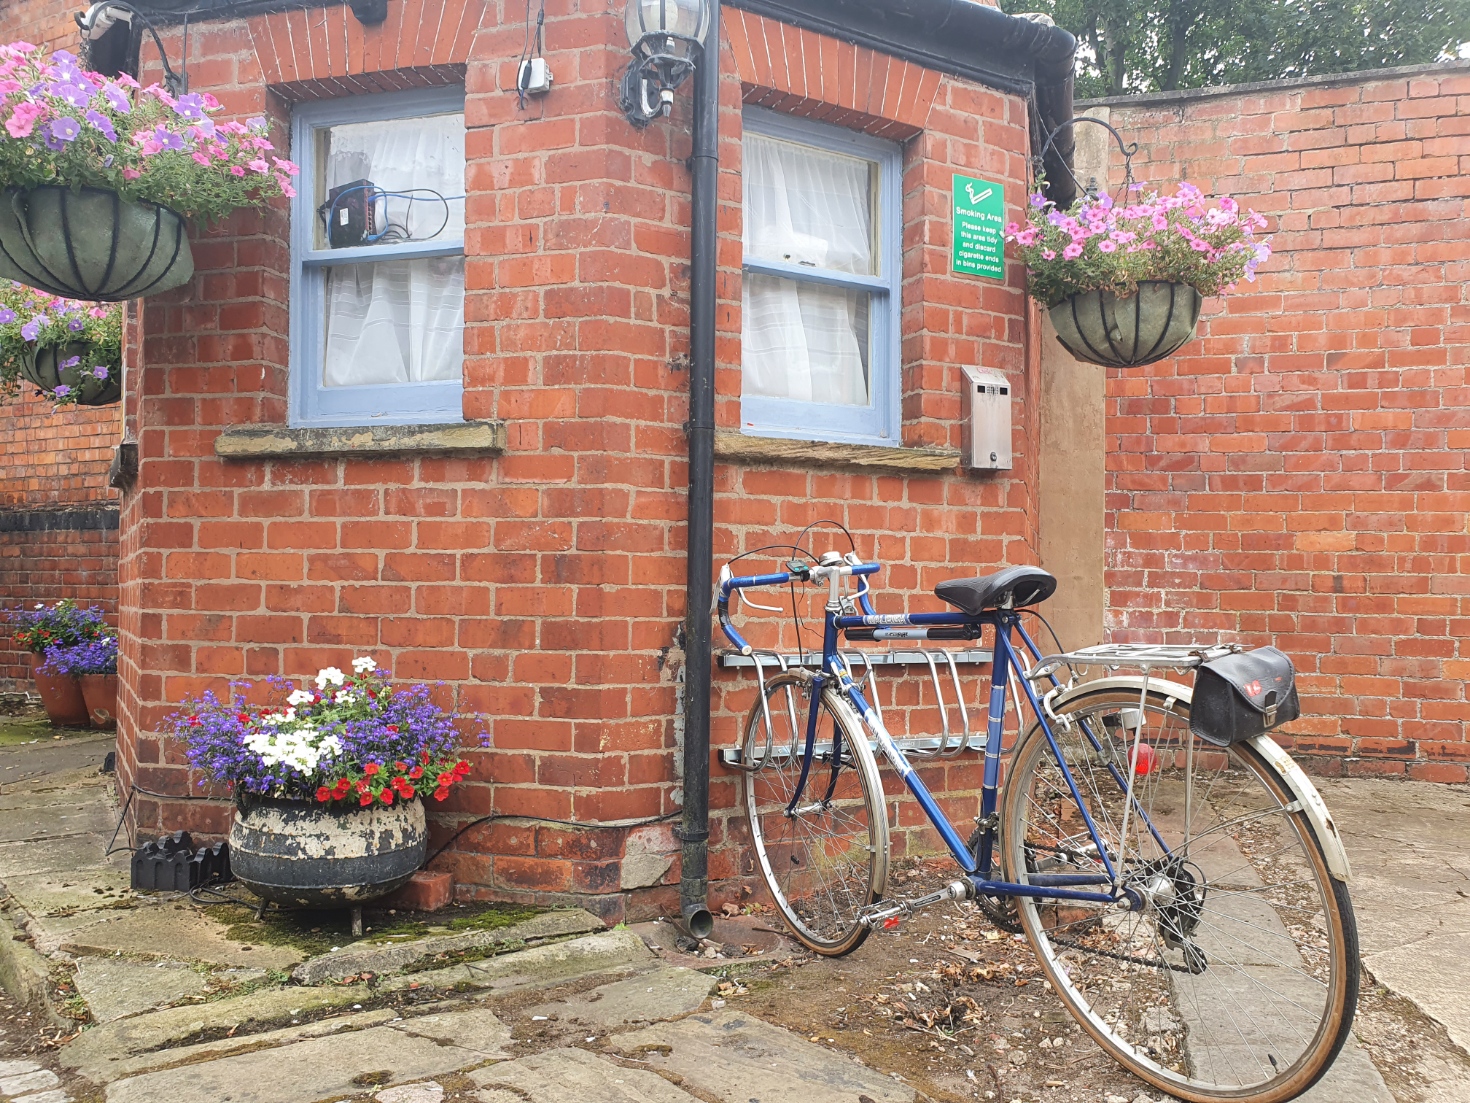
{"points": [[738, 446], [372, 440]]}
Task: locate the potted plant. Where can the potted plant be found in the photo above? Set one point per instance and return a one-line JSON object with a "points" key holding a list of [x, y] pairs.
{"points": [[98, 177], [70, 350], [93, 664], [59, 625], [329, 781], [1124, 283]]}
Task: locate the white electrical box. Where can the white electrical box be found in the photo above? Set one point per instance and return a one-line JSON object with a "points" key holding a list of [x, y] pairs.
{"points": [[534, 77], [986, 409]]}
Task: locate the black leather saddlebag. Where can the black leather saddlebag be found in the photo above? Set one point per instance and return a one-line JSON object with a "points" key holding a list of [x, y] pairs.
{"points": [[1243, 695]]}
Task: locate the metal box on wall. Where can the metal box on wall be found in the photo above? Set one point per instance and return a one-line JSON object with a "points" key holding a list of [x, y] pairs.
{"points": [[986, 426]]}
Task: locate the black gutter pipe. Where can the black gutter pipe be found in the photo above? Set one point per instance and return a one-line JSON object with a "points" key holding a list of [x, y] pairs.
{"points": [[699, 587]]}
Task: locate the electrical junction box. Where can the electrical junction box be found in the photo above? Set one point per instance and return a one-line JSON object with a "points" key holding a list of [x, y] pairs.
{"points": [[535, 76], [986, 409]]}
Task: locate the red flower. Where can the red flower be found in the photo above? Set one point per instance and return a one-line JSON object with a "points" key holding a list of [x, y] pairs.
{"points": [[367, 799], [243, 717], [445, 780], [424, 758], [400, 765], [416, 773], [362, 786], [461, 768], [393, 728], [324, 794], [370, 769], [343, 785], [387, 796], [440, 794]]}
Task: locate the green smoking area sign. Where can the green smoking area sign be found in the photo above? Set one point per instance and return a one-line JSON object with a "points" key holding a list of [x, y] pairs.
{"points": [[979, 216]]}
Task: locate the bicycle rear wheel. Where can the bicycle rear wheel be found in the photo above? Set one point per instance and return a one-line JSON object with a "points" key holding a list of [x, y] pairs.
{"points": [[1232, 972], [826, 859]]}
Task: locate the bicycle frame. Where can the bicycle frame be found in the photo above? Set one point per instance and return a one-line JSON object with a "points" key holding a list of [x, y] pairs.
{"points": [[1006, 623]]}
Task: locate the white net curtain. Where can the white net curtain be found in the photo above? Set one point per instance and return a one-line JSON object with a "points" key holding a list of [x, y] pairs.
{"points": [[806, 206], [398, 321]]}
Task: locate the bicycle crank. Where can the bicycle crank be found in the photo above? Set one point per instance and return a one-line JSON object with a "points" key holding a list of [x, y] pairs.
{"points": [[885, 912]]}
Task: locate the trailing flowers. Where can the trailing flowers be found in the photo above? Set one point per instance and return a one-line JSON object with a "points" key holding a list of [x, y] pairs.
{"points": [[1098, 245], [347, 738], [63, 125], [32, 320]]}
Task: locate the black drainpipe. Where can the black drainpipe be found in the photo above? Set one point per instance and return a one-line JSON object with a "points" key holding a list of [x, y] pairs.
{"points": [[705, 165]]}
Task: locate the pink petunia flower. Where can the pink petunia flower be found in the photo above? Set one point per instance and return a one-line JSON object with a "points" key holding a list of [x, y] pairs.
{"points": [[1072, 252]]}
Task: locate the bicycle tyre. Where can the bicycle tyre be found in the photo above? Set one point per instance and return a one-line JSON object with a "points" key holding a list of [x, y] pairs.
{"points": [[1220, 909], [829, 860]]}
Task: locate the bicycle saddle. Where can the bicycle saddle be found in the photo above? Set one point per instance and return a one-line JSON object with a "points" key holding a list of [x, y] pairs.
{"points": [[1008, 588]]}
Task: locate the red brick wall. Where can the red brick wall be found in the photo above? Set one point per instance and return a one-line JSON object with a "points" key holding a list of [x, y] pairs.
{"points": [[544, 586], [1299, 474]]}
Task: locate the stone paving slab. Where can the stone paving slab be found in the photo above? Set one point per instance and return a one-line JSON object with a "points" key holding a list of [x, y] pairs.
{"points": [[573, 1076], [536, 967], [318, 1069], [736, 1057], [661, 993], [69, 853], [474, 1028], [180, 932], [97, 1049], [95, 818], [116, 987], [385, 957], [102, 1068], [61, 902]]}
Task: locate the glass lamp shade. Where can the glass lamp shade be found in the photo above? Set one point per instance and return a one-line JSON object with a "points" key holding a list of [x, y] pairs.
{"points": [[666, 26]]}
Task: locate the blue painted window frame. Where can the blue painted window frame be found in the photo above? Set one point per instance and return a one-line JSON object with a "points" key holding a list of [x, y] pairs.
{"points": [[880, 422], [312, 403]]}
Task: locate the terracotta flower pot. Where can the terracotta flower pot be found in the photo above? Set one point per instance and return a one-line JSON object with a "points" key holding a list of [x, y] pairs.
{"points": [[61, 695], [100, 693]]}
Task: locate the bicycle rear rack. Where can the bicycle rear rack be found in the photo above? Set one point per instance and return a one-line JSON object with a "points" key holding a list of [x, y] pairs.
{"points": [[948, 744], [1139, 656]]}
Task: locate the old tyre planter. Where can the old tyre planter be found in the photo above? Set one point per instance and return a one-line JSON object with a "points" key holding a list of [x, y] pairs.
{"points": [[61, 696], [313, 855], [1101, 328], [42, 366], [99, 691], [90, 243]]}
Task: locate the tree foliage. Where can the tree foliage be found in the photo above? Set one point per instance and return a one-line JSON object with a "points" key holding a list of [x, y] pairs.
{"points": [[1130, 46]]}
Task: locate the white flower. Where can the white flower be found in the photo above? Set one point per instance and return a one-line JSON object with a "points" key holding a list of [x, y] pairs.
{"points": [[362, 664], [344, 695], [328, 676], [299, 697], [279, 717]]}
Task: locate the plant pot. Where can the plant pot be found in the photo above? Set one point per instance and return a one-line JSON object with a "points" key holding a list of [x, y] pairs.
{"points": [[1101, 328], [42, 366], [61, 696], [90, 243], [307, 854], [99, 691]]}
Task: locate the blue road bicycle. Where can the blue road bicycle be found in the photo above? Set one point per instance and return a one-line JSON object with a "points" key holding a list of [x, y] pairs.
{"points": [[1187, 901]]}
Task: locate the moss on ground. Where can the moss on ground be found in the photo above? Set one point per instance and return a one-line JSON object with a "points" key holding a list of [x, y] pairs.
{"points": [[32, 726], [317, 932]]}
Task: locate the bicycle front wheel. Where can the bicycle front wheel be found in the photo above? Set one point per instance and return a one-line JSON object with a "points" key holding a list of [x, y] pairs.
{"points": [[821, 843], [1230, 970]]}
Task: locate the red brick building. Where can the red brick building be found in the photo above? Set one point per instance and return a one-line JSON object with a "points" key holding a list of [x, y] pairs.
{"points": [[512, 520]]}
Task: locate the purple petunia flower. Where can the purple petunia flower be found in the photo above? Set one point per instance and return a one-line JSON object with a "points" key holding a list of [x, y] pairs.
{"points": [[74, 94], [117, 99], [70, 363], [258, 123], [75, 325], [32, 328], [62, 130], [99, 372], [167, 139], [6, 315], [190, 107], [103, 124], [62, 390]]}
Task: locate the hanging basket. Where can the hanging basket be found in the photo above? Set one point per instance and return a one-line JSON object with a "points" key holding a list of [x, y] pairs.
{"points": [[90, 243], [1101, 328], [43, 367]]}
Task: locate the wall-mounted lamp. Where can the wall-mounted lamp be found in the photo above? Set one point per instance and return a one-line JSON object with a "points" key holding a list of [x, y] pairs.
{"points": [[666, 36], [112, 33]]}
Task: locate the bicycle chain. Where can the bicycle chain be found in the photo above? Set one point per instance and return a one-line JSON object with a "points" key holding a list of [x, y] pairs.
{"points": [[1002, 912]]}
